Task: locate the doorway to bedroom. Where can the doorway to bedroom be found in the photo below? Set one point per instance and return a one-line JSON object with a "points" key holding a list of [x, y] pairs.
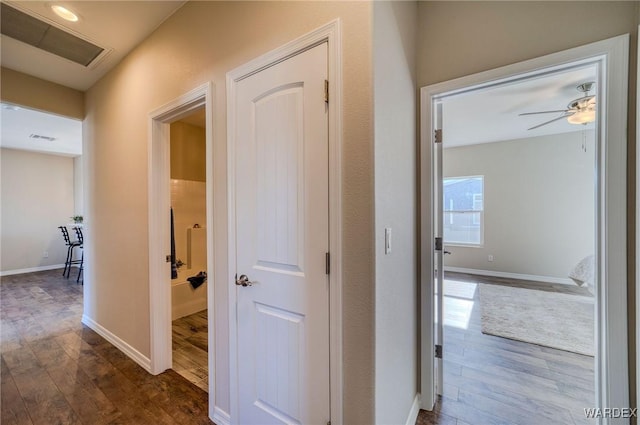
{"points": [[518, 212]]}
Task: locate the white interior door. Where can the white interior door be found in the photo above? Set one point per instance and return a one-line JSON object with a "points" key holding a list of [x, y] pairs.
{"points": [[282, 238]]}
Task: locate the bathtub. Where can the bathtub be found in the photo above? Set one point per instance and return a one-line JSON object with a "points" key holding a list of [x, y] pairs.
{"points": [[184, 299]]}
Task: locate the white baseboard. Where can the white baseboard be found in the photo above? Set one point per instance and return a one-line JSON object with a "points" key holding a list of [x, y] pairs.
{"points": [[415, 409], [120, 344], [220, 417], [31, 269], [535, 278]]}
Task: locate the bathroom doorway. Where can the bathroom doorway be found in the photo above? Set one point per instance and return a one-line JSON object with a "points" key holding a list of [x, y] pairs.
{"points": [[187, 142]]}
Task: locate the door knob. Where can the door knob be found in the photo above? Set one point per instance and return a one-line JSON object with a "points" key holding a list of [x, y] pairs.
{"points": [[243, 280]]}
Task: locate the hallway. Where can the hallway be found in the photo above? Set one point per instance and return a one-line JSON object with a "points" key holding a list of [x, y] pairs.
{"points": [[56, 370]]}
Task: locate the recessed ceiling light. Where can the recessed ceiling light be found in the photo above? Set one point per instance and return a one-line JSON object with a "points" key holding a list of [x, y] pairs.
{"points": [[64, 13]]}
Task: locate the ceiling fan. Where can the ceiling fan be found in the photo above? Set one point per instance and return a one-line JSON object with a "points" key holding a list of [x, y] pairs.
{"points": [[579, 111]]}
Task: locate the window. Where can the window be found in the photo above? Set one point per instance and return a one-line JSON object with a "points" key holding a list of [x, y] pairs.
{"points": [[463, 210]]}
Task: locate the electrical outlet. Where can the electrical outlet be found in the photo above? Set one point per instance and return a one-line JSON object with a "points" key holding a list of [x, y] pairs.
{"points": [[490, 258], [45, 254]]}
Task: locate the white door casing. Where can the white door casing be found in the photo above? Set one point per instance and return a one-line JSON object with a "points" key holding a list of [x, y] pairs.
{"points": [[281, 238], [637, 259], [439, 253], [610, 57], [159, 227]]}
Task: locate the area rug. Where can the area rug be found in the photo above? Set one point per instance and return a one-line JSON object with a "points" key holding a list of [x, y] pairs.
{"points": [[551, 319]]}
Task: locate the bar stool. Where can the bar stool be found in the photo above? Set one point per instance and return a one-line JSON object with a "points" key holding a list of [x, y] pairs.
{"points": [[70, 246], [78, 231]]}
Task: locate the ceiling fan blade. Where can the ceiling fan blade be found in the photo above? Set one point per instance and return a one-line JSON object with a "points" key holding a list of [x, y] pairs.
{"points": [[549, 122], [542, 112]]}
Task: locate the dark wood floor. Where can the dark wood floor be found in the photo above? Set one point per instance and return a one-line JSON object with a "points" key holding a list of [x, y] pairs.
{"points": [[493, 380], [190, 347], [57, 371]]}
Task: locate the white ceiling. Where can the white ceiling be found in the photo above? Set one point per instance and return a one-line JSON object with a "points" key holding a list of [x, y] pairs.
{"points": [[18, 124], [116, 25], [491, 114]]}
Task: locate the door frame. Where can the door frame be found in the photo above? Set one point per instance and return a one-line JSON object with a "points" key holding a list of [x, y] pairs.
{"points": [[331, 34], [159, 203], [637, 221], [611, 58]]}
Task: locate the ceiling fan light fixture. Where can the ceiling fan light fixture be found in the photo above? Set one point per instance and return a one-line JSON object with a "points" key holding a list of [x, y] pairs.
{"points": [[578, 111], [585, 107], [64, 13], [582, 117]]}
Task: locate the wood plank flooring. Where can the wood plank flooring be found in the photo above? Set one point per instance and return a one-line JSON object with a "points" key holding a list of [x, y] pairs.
{"points": [[492, 380], [54, 370], [190, 347], [57, 371]]}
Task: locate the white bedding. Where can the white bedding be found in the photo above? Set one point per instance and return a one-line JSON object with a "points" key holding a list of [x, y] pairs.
{"points": [[583, 273]]}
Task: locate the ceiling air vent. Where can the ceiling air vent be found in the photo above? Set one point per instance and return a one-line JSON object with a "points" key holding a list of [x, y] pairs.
{"points": [[26, 28], [38, 136]]}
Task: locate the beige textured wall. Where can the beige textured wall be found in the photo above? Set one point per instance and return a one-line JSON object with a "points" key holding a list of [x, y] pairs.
{"points": [[462, 38], [396, 312], [37, 197], [22, 89], [200, 43], [188, 152], [538, 203]]}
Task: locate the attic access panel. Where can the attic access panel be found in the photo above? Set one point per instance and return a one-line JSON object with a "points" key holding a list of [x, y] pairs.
{"points": [[32, 31]]}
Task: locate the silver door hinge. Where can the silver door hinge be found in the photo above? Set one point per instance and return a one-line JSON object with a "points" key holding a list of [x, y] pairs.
{"points": [[438, 351], [326, 91], [438, 136], [327, 263]]}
